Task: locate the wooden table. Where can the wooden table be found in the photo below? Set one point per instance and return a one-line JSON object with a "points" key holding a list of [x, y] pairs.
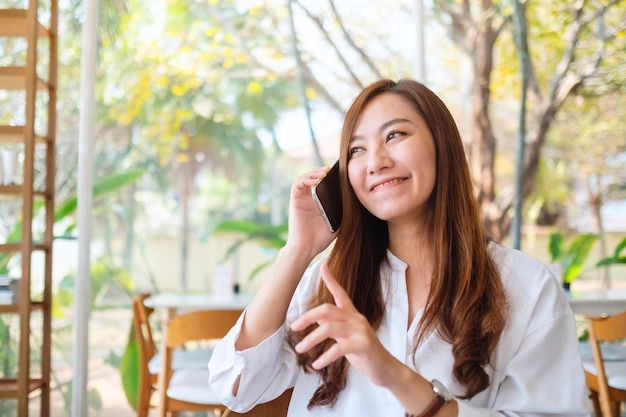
{"points": [[597, 302], [167, 305], [173, 303]]}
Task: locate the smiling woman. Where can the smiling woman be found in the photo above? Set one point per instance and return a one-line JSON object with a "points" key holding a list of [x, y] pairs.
{"points": [[391, 134], [410, 262]]}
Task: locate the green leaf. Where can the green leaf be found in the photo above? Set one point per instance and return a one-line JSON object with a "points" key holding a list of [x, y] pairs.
{"points": [[268, 236], [576, 256], [619, 248], [259, 268], [612, 261], [238, 226], [555, 246], [102, 187], [130, 370], [617, 257]]}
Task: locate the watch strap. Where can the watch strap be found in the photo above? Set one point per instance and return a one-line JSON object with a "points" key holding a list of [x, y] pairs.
{"points": [[432, 408]]}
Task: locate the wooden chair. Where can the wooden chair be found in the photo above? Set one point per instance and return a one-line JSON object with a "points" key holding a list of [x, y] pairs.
{"points": [[187, 389], [147, 351], [606, 379], [150, 360], [275, 408]]}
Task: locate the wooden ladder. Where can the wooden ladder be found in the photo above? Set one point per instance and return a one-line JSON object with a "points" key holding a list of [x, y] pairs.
{"points": [[32, 189]]}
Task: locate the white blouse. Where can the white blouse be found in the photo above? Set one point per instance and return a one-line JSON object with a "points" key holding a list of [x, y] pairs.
{"points": [[537, 365]]}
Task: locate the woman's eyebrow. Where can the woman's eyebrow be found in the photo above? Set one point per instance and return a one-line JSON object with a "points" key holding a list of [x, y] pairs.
{"points": [[392, 122], [384, 126]]}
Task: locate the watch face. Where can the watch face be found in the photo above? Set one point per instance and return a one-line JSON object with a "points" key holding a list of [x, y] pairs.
{"points": [[441, 390]]}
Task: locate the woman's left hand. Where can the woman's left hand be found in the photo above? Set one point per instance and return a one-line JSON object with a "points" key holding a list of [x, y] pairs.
{"points": [[354, 336]]}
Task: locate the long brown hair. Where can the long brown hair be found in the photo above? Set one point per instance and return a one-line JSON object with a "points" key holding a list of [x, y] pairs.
{"points": [[467, 304]]}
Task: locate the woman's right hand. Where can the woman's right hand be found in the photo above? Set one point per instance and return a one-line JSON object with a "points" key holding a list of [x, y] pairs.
{"points": [[308, 233]]}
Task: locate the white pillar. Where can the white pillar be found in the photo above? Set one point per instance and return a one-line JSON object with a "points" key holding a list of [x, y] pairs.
{"points": [[82, 304]]}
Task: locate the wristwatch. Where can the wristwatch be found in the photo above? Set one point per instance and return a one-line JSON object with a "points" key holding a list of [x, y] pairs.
{"points": [[442, 396]]}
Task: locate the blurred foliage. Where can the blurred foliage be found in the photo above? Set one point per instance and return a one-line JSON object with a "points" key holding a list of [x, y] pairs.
{"points": [[64, 210], [617, 258], [571, 258], [268, 236]]}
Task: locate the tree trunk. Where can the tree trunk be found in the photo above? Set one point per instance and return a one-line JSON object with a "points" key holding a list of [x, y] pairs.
{"points": [[595, 201], [186, 184], [483, 145]]}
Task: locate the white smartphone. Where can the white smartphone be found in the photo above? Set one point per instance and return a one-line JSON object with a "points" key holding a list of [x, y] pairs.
{"points": [[327, 195]]}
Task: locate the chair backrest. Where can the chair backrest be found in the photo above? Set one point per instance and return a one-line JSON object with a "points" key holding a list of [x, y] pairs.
{"points": [[147, 351], [195, 326], [604, 329], [275, 408], [200, 325], [141, 320]]}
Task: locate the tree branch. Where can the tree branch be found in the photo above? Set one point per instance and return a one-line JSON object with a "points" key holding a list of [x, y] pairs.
{"points": [[350, 41], [318, 22]]}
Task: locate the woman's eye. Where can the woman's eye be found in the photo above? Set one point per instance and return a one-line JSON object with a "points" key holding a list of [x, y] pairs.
{"points": [[393, 135], [354, 150]]}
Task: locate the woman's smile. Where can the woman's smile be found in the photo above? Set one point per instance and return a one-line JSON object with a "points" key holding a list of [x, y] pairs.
{"points": [[385, 184]]}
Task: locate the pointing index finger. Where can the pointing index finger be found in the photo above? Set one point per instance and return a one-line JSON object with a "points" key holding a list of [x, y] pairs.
{"points": [[340, 296]]}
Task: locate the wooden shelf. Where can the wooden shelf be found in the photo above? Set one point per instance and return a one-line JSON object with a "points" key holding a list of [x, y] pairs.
{"points": [[13, 23], [15, 135], [8, 387], [14, 308], [15, 247], [22, 379], [16, 190], [14, 78]]}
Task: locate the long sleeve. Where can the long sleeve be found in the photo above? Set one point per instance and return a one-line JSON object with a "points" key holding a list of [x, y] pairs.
{"points": [[266, 370]]}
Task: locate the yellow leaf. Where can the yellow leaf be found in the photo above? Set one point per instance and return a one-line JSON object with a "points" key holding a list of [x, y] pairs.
{"points": [[255, 88], [310, 93], [195, 83], [183, 143], [179, 90], [228, 63], [162, 81], [184, 114]]}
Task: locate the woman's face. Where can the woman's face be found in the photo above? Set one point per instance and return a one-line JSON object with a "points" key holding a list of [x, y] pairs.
{"points": [[392, 165]]}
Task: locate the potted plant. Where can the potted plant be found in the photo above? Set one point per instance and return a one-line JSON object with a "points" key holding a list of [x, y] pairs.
{"points": [[269, 236], [570, 259]]}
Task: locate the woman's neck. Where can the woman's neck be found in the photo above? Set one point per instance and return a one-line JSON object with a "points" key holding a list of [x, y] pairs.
{"points": [[414, 246], [411, 243]]}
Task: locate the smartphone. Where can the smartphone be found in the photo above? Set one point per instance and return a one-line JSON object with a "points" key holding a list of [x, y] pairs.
{"points": [[327, 195]]}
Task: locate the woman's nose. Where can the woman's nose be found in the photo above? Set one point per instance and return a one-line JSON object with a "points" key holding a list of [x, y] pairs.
{"points": [[378, 159]]}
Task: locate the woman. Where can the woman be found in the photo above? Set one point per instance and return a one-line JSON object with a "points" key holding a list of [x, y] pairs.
{"points": [[414, 312]]}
